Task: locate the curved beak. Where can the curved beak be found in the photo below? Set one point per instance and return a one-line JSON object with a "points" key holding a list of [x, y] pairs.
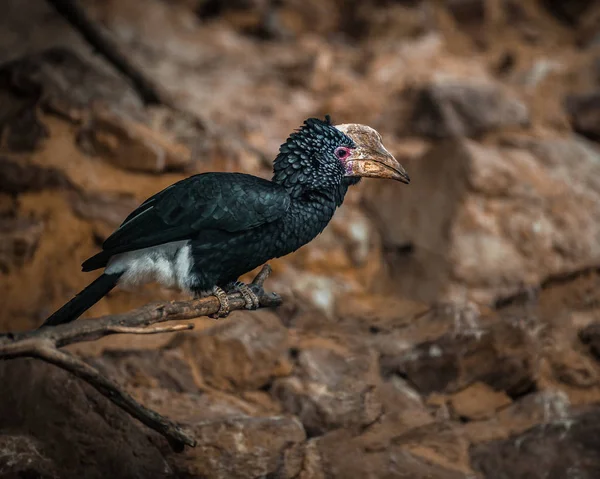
{"points": [[375, 162]]}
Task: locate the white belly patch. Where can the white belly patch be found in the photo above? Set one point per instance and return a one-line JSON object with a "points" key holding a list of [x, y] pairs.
{"points": [[169, 264]]}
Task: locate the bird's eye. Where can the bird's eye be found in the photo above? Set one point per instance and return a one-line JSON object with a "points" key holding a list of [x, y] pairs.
{"points": [[342, 152]]}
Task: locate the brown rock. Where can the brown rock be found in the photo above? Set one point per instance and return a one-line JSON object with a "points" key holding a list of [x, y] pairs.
{"points": [[440, 442], [213, 72], [484, 221], [77, 432], [245, 352], [131, 145], [588, 30], [340, 455], [20, 457], [20, 127], [21, 130], [451, 108], [401, 333], [244, 447], [568, 12], [193, 408], [165, 369], [469, 11], [500, 356], [574, 369], [294, 18], [590, 335], [8, 205], [473, 18], [108, 209], [552, 451], [66, 83], [542, 407], [185, 134], [113, 124], [372, 313], [584, 111], [403, 410], [478, 401], [19, 240], [333, 385], [18, 176]]}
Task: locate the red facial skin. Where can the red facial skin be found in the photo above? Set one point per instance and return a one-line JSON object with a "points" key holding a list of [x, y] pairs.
{"points": [[343, 153]]}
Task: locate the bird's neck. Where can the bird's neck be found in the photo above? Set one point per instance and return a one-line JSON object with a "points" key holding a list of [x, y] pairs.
{"points": [[310, 212], [307, 194]]}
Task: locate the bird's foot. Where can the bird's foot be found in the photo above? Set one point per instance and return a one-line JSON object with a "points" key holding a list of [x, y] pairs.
{"points": [[252, 301], [223, 301]]}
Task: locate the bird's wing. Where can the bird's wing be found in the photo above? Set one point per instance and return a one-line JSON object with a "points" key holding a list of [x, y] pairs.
{"points": [[229, 202]]}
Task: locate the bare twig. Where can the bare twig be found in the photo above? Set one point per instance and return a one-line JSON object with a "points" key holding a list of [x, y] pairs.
{"points": [[154, 330], [262, 276], [44, 343]]}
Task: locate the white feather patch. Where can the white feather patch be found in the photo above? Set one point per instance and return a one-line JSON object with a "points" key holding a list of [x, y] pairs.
{"points": [[169, 264]]}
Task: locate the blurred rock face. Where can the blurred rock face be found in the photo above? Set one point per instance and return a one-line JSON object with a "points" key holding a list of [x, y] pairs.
{"points": [[434, 330], [496, 217]]}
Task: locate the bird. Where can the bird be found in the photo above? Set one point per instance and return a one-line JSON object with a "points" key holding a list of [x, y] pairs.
{"points": [[202, 233]]}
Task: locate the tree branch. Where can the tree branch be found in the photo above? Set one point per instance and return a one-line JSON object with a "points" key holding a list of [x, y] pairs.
{"points": [[44, 343]]}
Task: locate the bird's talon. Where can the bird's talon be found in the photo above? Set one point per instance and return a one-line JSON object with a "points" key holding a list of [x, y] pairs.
{"points": [[250, 297], [224, 303], [257, 291]]}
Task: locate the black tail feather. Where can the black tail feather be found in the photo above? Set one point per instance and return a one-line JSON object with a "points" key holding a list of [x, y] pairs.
{"points": [[99, 260], [84, 300]]}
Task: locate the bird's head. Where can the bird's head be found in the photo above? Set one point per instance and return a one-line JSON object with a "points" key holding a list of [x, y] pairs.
{"points": [[370, 158], [321, 156]]}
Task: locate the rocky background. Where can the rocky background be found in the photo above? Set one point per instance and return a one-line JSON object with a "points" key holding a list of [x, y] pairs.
{"points": [[448, 329]]}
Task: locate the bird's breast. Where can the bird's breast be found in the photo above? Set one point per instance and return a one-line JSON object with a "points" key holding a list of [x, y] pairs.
{"points": [[301, 225]]}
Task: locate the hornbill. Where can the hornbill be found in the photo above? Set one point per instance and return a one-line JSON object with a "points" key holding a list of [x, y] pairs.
{"points": [[202, 233]]}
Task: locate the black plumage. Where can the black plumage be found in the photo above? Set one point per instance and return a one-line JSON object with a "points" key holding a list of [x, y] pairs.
{"points": [[209, 229]]}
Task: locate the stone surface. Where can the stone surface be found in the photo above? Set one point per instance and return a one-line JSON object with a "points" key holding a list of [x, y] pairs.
{"points": [[584, 111], [551, 406], [245, 352], [484, 221], [18, 176], [403, 409], [165, 369], [198, 407], [131, 145], [590, 335], [107, 209], [588, 27], [19, 240], [456, 108], [111, 122], [339, 455], [20, 457], [333, 385], [57, 412], [65, 82], [244, 447], [569, 12], [547, 451], [478, 401], [500, 356]]}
